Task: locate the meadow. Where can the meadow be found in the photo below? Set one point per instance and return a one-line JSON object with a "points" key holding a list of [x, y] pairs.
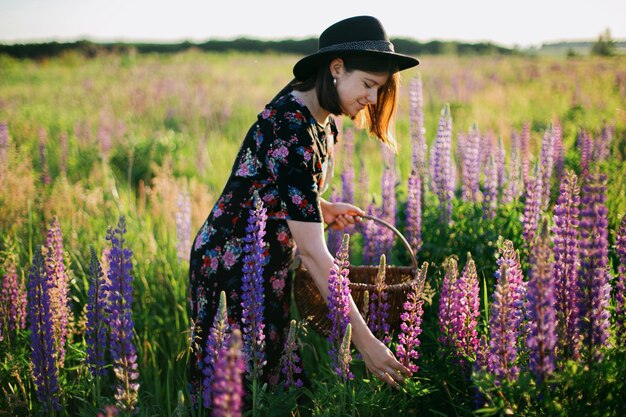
{"points": [[151, 139]]}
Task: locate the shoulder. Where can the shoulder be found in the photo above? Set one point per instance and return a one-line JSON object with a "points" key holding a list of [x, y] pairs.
{"points": [[288, 119]]}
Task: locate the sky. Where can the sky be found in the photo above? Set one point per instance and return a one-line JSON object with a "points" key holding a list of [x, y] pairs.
{"points": [[505, 22]]}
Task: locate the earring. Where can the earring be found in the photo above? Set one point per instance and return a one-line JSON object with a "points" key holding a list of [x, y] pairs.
{"points": [[335, 82]]}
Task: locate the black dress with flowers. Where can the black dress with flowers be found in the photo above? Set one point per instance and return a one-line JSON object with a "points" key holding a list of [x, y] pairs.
{"points": [[283, 158]]}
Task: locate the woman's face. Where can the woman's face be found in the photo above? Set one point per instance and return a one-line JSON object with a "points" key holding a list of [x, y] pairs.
{"points": [[357, 89]]}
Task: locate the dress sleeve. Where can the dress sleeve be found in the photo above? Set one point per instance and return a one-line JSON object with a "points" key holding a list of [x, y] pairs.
{"points": [[293, 164]]}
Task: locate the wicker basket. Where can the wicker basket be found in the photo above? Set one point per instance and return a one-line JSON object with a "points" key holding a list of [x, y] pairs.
{"points": [[399, 279]]}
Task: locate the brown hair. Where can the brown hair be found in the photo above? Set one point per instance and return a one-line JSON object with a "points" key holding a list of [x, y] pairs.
{"points": [[378, 118]]}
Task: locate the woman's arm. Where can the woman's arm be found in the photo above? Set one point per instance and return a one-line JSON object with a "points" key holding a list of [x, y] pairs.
{"points": [[309, 238]]}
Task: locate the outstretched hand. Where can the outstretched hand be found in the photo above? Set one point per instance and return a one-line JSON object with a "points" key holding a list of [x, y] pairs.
{"points": [[340, 215], [383, 364]]}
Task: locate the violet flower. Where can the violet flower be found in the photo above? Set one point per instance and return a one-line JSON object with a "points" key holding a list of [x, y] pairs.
{"points": [[547, 162], [513, 180], [253, 297], [446, 307], [228, 382], [470, 164], [96, 333], [603, 149], [344, 357], [219, 334], [502, 356], [620, 286], [559, 152], [373, 239], [347, 174], [378, 320], [339, 302], [416, 121], [388, 212], [12, 299], [441, 166], [541, 339], [490, 201], [525, 152], [333, 236], [413, 227], [411, 326], [532, 208], [566, 265], [594, 290], [57, 273], [515, 282], [120, 298], [45, 370], [290, 359], [466, 310], [585, 144]]}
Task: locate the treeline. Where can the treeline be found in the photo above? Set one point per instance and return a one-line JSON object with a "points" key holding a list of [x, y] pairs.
{"points": [[300, 47]]}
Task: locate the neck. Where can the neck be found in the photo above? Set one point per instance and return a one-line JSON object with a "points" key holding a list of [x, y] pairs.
{"points": [[309, 98]]}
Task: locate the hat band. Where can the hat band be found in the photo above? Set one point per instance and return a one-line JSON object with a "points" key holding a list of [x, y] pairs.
{"points": [[380, 46]]}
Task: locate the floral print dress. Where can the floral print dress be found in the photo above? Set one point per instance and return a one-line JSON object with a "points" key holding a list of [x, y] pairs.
{"points": [[282, 158]]}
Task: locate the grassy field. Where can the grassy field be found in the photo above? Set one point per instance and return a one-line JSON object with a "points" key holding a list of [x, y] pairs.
{"points": [[92, 140]]}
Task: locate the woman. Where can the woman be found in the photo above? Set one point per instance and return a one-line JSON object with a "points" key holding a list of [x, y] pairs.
{"points": [[284, 158]]}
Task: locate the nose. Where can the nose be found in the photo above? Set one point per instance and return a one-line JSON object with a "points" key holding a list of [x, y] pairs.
{"points": [[372, 95]]}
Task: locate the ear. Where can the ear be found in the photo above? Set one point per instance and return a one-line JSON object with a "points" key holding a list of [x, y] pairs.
{"points": [[337, 67]]}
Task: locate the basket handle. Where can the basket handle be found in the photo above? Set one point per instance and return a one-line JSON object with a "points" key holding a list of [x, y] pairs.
{"points": [[396, 232]]}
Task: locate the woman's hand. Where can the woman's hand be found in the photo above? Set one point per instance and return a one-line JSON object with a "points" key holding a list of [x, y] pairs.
{"points": [[382, 363], [340, 215]]}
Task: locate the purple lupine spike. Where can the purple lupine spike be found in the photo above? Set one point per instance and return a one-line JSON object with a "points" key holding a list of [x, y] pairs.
{"points": [[411, 326], [470, 165], [12, 297], [490, 200], [388, 188], [216, 340], [45, 370], [541, 339], [546, 167], [604, 146], [183, 225], [253, 298], [96, 335], [525, 152], [502, 357], [532, 208], [620, 286], [441, 166], [585, 143], [378, 319], [446, 307], [515, 281], [373, 242], [347, 174], [43, 158], [121, 325], [344, 358], [228, 382], [513, 187], [499, 155], [360, 198], [466, 310], [559, 152], [290, 360], [566, 264], [57, 273], [594, 289], [418, 132], [413, 227], [333, 236], [339, 301]]}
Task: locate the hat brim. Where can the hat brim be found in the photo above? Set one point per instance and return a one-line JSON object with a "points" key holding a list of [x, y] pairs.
{"points": [[307, 66]]}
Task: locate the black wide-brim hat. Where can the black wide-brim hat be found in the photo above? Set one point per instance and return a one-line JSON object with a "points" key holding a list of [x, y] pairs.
{"points": [[355, 35]]}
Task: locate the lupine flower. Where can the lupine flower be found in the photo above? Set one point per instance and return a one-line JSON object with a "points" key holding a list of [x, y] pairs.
{"points": [[620, 287], [566, 264], [585, 143], [416, 120], [120, 298], [513, 174], [290, 359], [559, 153], [12, 298], [253, 298], [441, 165], [57, 273], [379, 307], [532, 208], [347, 174], [373, 239], [413, 227], [217, 339], [515, 282], [228, 382], [411, 326], [360, 199], [109, 411], [446, 308], [344, 358], [96, 328], [183, 225], [540, 308], [503, 330], [339, 301], [466, 309], [45, 370], [333, 236], [595, 290], [388, 187], [499, 158], [547, 162], [490, 201], [525, 152], [603, 148], [470, 164]]}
